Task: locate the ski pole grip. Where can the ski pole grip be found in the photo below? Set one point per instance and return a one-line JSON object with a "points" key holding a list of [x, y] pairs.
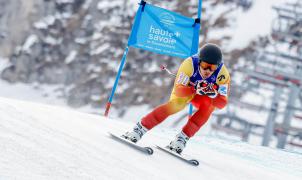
{"points": [[163, 67]]}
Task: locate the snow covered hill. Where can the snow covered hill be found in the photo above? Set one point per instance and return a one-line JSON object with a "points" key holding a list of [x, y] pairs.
{"points": [[47, 142]]}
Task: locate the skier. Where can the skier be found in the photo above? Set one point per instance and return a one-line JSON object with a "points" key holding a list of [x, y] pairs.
{"points": [[202, 80]]}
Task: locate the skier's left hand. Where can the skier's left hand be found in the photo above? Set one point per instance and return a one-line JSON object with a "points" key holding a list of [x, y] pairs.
{"points": [[213, 91]]}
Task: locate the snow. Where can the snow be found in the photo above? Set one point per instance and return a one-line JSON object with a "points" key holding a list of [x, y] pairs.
{"points": [[81, 40], [157, 81], [96, 36], [71, 56], [45, 22], [106, 5], [245, 26], [4, 63], [93, 68], [95, 97], [46, 142], [31, 40], [100, 49], [46, 94], [64, 1], [87, 4], [53, 41]]}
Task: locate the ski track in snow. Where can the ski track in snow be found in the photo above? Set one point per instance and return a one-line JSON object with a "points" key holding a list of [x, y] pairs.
{"points": [[47, 142]]}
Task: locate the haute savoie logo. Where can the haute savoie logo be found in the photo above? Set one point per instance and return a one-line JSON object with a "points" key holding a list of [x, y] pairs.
{"points": [[167, 19], [162, 36]]}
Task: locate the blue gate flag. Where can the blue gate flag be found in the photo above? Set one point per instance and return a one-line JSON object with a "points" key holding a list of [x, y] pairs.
{"points": [[161, 31], [165, 32]]}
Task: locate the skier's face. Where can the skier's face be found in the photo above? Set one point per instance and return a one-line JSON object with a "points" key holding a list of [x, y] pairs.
{"points": [[207, 69], [206, 73]]}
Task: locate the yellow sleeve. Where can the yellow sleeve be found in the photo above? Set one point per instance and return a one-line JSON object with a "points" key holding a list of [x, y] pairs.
{"points": [[223, 76], [181, 90], [224, 80], [185, 71]]}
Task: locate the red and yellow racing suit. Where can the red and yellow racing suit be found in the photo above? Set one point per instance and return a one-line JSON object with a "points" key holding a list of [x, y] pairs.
{"points": [[183, 93]]}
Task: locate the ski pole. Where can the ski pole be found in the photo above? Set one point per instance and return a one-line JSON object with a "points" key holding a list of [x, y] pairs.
{"points": [[164, 68]]}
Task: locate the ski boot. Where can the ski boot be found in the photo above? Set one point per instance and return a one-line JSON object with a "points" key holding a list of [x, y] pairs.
{"points": [[179, 143], [138, 131]]}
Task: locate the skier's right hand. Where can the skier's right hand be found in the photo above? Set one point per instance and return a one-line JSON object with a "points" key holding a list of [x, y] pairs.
{"points": [[201, 87], [205, 88]]}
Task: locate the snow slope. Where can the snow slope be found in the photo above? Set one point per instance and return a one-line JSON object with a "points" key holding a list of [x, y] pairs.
{"points": [[47, 142]]}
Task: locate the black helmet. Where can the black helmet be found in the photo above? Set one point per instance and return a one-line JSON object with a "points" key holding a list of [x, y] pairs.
{"points": [[210, 53]]}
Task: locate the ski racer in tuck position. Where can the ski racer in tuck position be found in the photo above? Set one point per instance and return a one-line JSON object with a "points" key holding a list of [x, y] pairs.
{"points": [[202, 80]]}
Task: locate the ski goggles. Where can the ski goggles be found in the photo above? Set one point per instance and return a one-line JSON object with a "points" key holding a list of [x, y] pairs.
{"points": [[205, 66]]}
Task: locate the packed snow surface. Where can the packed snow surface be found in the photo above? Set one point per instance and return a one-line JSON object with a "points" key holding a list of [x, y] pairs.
{"points": [[39, 141]]}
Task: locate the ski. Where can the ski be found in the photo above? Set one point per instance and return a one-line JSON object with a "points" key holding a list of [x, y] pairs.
{"points": [[122, 139], [184, 158]]}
